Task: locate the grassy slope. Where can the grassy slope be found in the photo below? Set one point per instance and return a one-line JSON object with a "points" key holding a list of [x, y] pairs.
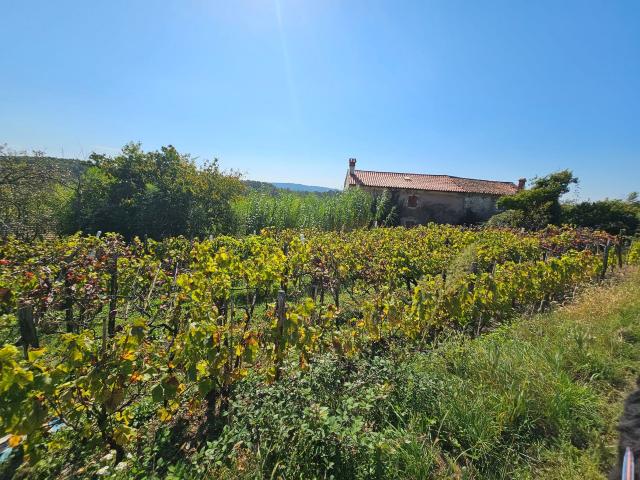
{"points": [[561, 377], [548, 390], [597, 342]]}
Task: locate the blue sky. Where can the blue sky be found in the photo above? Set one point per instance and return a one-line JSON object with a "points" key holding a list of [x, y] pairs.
{"points": [[287, 90]]}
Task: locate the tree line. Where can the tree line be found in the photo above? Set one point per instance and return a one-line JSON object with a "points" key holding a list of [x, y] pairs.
{"points": [[158, 194], [540, 205], [164, 193]]}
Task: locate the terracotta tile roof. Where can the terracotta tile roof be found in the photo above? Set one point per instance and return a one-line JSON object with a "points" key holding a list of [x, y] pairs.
{"points": [[439, 183]]}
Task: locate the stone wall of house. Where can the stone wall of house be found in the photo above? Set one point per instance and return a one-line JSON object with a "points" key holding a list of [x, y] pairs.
{"points": [[420, 207], [480, 207]]}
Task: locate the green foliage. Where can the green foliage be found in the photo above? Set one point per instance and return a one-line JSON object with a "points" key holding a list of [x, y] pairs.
{"points": [[634, 253], [155, 194], [196, 320], [33, 188], [500, 406], [540, 204], [507, 219], [608, 215], [386, 214]]}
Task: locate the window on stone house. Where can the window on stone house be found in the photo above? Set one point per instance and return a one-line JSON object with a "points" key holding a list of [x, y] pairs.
{"points": [[410, 223], [412, 201]]}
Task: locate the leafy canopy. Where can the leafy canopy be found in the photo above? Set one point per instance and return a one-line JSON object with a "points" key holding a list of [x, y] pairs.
{"points": [[157, 194], [607, 215], [32, 188], [540, 204]]}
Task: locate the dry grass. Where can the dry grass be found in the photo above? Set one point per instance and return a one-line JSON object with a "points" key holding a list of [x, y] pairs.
{"points": [[601, 300]]}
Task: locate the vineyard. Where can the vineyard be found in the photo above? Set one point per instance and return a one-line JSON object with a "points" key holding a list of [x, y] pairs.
{"points": [[103, 336]]}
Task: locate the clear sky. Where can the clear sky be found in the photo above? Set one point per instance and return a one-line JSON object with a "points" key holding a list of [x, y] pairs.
{"points": [[287, 90]]}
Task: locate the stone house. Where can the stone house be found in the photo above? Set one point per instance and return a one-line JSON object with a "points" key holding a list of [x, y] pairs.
{"points": [[422, 198]]}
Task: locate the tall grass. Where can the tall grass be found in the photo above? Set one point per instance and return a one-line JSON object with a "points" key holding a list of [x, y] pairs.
{"points": [[346, 210]]}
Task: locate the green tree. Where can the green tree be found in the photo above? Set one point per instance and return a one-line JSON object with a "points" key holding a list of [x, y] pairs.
{"points": [[159, 194], [540, 204], [32, 189]]}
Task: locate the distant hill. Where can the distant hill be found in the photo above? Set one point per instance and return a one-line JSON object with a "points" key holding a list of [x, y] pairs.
{"points": [[298, 187], [262, 187], [64, 168]]}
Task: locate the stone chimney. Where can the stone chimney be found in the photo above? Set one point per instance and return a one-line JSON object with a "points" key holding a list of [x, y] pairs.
{"points": [[352, 166], [521, 183]]}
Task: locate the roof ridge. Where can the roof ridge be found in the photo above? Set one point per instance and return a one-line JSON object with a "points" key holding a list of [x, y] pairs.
{"points": [[437, 175]]}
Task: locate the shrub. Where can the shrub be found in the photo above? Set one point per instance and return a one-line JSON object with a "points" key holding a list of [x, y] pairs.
{"points": [[607, 215], [506, 219]]}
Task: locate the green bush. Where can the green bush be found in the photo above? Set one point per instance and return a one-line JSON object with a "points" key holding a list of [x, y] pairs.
{"points": [[608, 215], [506, 219]]}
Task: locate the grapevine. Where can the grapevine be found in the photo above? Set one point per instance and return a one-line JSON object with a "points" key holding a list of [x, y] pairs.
{"points": [[175, 324]]}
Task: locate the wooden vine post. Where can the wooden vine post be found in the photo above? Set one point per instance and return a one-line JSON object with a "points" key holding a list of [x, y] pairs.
{"points": [[113, 295], [28, 332], [280, 340], [68, 301], [619, 246], [474, 271], [605, 260]]}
